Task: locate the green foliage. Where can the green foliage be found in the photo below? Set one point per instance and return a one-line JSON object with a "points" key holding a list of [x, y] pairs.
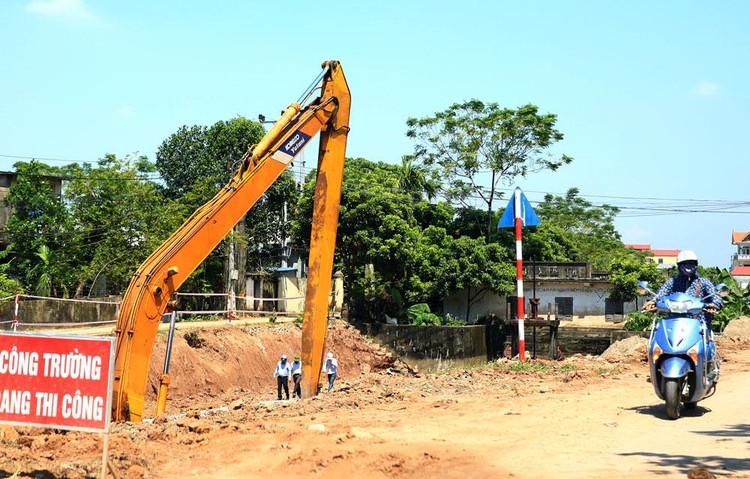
{"points": [[39, 220], [204, 155], [119, 217], [9, 286], [395, 248], [639, 321], [42, 271], [420, 315], [734, 305], [450, 320], [524, 367], [627, 267], [574, 229], [473, 137]]}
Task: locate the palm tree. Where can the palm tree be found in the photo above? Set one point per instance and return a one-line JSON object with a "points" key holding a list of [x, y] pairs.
{"points": [[43, 272], [413, 178]]}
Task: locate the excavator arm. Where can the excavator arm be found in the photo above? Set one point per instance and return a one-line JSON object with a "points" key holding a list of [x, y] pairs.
{"points": [[152, 289]]}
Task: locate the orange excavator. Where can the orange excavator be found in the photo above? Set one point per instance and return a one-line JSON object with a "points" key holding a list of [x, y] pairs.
{"points": [[323, 108]]}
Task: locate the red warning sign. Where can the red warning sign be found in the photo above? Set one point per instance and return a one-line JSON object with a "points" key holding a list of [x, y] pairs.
{"points": [[61, 382]]}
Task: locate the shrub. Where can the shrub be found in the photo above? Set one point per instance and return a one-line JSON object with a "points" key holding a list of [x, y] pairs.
{"points": [[639, 321]]}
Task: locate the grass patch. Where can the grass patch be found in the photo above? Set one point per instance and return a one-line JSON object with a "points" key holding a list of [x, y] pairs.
{"points": [[567, 368]]}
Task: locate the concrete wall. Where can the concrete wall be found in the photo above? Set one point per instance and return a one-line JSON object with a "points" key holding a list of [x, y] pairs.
{"points": [[431, 348], [55, 311], [489, 303]]}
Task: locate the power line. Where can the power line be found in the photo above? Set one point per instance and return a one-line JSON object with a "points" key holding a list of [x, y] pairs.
{"points": [[18, 157], [646, 205]]}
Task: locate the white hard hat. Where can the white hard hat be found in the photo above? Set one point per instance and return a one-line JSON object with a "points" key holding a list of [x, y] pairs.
{"points": [[686, 255], [330, 356]]}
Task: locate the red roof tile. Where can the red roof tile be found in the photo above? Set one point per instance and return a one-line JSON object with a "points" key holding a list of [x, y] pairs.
{"points": [[740, 236], [741, 271], [665, 252]]}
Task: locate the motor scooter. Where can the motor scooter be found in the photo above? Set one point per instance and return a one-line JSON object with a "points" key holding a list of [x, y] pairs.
{"points": [[684, 363]]}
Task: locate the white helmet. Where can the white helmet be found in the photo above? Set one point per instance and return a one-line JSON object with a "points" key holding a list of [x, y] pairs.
{"points": [[330, 356], [686, 255]]}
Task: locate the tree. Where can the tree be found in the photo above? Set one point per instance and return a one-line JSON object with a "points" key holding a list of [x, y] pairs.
{"points": [[119, 217], [195, 163], [477, 268], [572, 228], [626, 269], [207, 156], [470, 139], [39, 222], [394, 247]]}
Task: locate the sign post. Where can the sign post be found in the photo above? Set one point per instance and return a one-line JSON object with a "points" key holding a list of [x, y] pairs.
{"points": [[61, 382], [519, 213]]}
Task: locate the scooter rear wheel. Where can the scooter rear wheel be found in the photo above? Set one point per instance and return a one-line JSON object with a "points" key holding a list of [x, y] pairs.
{"points": [[672, 397]]}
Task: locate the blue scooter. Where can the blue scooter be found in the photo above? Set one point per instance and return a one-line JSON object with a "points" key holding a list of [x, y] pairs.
{"points": [[681, 351]]}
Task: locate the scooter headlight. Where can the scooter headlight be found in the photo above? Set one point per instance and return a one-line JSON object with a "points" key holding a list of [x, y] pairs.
{"points": [[656, 352], [678, 307]]}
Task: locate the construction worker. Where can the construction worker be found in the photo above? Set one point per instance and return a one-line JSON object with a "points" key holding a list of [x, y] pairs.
{"points": [[331, 367], [297, 376], [282, 373]]}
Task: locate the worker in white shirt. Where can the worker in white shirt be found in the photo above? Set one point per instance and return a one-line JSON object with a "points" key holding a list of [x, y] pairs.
{"points": [[282, 373], [331, 367]]}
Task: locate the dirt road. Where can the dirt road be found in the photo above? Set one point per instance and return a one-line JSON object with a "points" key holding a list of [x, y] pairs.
{"points": [[578, 418], [612, 427]]}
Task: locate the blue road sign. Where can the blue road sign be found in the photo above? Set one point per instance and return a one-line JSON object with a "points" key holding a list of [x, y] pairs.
{"points": [[527, 213]]}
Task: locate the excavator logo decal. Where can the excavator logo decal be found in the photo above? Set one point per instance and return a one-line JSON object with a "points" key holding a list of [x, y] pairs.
{"points": [[291, 148]]}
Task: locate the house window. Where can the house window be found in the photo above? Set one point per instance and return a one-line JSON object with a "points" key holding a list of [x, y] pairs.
{"points": [[661, 260], [564, 307], [613, 310]]}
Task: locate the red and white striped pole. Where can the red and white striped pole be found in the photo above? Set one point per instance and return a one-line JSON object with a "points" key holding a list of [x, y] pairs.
{"points": [[519, 274], [230, 305], [15, 314]]}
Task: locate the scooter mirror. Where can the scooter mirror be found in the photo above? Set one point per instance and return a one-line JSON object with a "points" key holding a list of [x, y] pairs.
{"points": [[722, 290]]}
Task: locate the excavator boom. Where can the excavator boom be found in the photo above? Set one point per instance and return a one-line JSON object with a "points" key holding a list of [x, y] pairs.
{"points": [[152, 289]]}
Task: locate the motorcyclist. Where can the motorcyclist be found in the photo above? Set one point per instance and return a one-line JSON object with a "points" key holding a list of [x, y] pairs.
{"points": [[687, 281]]}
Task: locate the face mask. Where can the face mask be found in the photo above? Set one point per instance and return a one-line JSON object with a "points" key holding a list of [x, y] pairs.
{"points": [[687, 269]]}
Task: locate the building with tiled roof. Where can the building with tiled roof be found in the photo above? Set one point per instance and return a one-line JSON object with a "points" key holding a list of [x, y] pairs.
{"points": [[741, 259], [664, 258]]}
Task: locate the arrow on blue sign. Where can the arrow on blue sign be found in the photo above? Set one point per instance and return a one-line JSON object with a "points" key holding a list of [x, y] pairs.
{"points": [[527, 214]]}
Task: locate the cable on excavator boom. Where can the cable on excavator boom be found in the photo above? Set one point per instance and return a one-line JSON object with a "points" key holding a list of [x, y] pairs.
{"points": [[152, 289]]}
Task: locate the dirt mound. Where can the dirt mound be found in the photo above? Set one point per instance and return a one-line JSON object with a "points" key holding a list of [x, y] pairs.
{"points": [[207, 362], [738, 330], [633, 348]]}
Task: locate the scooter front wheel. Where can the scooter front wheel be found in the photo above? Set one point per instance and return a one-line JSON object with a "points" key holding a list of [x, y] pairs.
{"points": [[672, 397]]}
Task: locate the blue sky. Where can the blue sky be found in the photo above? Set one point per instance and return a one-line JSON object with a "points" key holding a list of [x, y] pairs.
{"points": [[652, 97]]}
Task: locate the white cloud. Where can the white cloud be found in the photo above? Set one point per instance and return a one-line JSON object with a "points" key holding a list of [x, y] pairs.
{"points": [[125, 113], [706, 88], [75, 10]]}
